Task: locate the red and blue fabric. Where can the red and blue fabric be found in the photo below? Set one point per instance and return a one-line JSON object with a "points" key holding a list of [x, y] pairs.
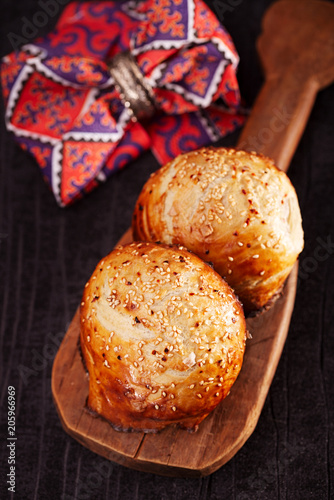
{"points": [[63, 107]]}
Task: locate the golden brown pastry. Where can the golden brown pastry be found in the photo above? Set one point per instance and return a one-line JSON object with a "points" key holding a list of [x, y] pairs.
{"points": [[162, 337], [233, 208]]}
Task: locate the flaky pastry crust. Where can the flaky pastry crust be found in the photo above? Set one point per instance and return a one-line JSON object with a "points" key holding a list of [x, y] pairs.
{"points": [[162, 336], [232, 208]]}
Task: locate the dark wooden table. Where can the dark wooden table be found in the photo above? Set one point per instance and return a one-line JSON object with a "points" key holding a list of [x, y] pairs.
{"points": [[48, 253]]}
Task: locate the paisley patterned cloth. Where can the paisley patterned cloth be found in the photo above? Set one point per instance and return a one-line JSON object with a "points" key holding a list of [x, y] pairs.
{"points": [[63, 106]]}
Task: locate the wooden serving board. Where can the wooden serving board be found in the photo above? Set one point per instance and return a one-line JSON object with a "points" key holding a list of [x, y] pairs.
{"points": [[176, 452], [296, 50]]}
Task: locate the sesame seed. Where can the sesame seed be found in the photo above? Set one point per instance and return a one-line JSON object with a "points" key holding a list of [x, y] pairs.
{"points": [[156, 407], [256, 256], [199, 396], [174, 408]]}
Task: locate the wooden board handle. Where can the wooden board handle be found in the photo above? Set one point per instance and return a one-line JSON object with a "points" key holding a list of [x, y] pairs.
{"points": [[278, 118]]}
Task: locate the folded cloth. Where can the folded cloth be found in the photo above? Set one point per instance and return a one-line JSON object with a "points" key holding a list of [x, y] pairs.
{"points": [[117, 78]]}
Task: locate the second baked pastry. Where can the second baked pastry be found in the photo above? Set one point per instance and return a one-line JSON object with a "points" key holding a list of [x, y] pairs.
{"points": [[233, 208]]}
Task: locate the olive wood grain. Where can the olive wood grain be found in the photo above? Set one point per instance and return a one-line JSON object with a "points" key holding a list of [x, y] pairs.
{"points": [[296, 49]]}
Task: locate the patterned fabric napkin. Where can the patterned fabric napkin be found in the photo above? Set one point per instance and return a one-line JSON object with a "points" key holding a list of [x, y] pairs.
{"points": [[117, 78]]}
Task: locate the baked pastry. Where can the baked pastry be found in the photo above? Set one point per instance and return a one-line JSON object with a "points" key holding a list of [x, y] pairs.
{"points": [[232, 208], [162, 336]]}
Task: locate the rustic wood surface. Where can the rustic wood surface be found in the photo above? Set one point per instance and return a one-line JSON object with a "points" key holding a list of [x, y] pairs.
{"points": [[47, 255], [291, 82]]}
